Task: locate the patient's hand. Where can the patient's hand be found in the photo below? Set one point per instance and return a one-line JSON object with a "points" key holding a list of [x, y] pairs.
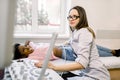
{"points": [[39, 64], [66, 43]]}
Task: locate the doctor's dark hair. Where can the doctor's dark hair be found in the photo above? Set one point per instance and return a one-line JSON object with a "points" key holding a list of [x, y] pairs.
{"points": [[17, 53], [83, 23]]}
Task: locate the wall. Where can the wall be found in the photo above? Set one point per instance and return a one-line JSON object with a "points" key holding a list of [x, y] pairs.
{"points": [[7, 17], [104, 18]]}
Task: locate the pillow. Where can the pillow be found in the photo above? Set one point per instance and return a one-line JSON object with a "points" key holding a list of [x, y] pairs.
{"points": [[111, 62]]}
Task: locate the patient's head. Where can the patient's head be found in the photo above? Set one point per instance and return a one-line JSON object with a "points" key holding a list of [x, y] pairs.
{"points": [[21, 51]]}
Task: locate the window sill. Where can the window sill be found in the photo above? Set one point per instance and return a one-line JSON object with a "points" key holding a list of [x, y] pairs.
{"points": [[45, 36]]}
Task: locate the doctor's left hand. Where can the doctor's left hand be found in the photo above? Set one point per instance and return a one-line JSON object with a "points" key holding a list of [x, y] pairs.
{"points": [[39, 65]]}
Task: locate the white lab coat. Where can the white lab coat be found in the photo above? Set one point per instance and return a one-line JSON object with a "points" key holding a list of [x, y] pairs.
{"points": [[84, 46]]}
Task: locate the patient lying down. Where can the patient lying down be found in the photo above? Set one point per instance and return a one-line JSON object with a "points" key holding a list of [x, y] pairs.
{"points": [[32, 51]]}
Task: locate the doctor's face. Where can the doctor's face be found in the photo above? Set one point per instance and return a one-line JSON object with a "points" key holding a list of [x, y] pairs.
{"points": [[73, 18]]}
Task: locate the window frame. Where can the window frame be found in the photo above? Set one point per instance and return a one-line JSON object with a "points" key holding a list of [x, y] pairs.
{"points": [[64, 32]]}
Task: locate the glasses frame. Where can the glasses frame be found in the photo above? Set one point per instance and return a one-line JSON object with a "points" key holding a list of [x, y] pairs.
{"points": [[74, 17]]}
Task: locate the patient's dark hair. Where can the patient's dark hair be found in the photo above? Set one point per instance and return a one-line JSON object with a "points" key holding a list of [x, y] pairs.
{"points": [[17, 53]]}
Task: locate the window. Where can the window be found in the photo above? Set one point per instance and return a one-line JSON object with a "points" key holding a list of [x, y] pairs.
{"points": [[41, 17]]}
